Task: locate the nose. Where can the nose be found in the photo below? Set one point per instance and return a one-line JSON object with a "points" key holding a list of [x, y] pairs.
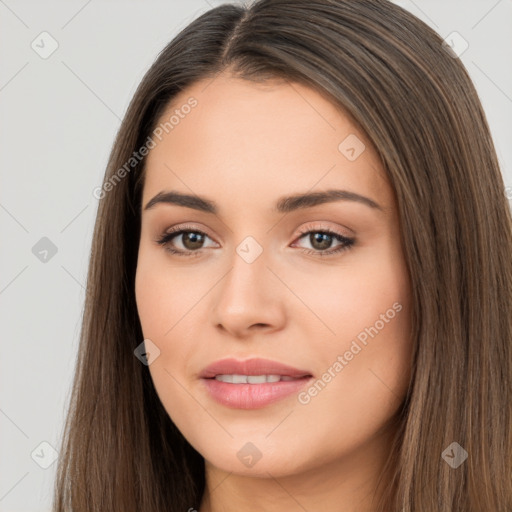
{"points": [[249, 299]]}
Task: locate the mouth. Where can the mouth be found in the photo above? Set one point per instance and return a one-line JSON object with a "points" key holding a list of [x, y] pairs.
{"points": [[252, 384]]}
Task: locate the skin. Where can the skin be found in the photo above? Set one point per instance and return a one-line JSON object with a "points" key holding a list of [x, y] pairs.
{"points": [[244, 146]]}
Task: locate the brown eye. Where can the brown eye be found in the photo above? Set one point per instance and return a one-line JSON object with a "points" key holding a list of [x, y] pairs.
{"points": [[321, 242], [191, 241]]}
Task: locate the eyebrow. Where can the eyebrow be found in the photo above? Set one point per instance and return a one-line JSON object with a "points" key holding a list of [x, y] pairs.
{"points": [[283, 205]]}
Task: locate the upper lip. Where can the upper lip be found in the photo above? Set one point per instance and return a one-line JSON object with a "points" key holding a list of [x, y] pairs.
{"points": [[254, 366]]}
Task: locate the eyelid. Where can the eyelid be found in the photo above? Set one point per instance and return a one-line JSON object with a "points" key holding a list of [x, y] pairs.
{"points": [[311, 226], [323, 226], [187, 227]]}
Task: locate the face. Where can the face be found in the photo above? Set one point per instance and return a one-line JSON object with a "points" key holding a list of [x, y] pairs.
{"points": [[317, 285]]}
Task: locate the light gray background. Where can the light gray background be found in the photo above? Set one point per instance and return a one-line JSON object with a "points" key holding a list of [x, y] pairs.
{"points": [[58, 118]]}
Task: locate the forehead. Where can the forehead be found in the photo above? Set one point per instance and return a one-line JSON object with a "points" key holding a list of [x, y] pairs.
{"points": [[243, 141]]}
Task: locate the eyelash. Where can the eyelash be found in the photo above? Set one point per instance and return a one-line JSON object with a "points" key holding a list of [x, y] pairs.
{"points": [[173, 233]]}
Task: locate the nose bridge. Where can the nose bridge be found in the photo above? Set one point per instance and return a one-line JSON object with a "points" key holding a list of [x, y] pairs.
{"points": [[247, 294], [249, 272]]}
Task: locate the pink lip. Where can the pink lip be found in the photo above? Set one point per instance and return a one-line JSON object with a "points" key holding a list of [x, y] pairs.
{"points": [[252, 396], [250, 367]]}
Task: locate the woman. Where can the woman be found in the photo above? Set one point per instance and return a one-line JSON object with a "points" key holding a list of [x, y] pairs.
{"points": [[225, 365]]}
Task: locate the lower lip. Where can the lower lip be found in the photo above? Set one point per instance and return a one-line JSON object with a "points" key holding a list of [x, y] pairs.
{"points": [[252, 396]]}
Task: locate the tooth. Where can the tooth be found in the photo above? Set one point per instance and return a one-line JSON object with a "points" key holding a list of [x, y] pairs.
{"points": [[256, 379], [252, 379], [224, 378]]}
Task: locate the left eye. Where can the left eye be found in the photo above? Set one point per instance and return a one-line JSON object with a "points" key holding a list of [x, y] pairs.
{"points": [[192, 242], [321, 241]]}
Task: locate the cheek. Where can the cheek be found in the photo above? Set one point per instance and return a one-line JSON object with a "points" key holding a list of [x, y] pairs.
{"points": [[164, 301], [352, 296], [164, 294], [364, 306]]}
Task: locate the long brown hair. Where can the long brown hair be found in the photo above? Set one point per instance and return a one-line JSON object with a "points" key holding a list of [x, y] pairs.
{"points": [[416, 103]]}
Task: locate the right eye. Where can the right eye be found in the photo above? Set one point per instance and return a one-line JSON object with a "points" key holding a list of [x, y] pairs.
{"points": [[192, 241]]}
